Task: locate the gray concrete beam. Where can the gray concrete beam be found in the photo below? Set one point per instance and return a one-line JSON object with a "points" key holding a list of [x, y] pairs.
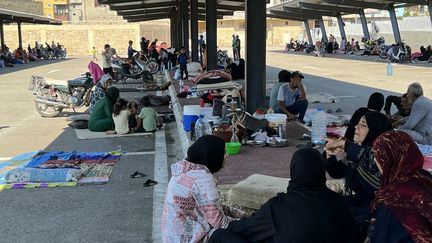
{"points": [[308, 11], [194, 29], [211, 33], [360, 4], [255, 55], [341, 25], [323, 30], [430, 9], [308, 31], [295, 15], [395, 26], [364, 24], [327, 8]]}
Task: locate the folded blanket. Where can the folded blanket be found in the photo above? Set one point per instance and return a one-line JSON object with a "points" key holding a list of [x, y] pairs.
{"points": [[20, 175]]}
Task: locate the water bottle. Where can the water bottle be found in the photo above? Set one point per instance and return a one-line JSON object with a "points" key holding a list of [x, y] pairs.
{"points": [[202, 127], [162, 68], [169, 65], [319, 127], [181, 83], [389, 69]]}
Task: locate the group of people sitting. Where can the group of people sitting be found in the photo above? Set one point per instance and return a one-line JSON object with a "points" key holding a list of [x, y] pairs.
{"points": [[20, 55], [424, 55], [111, 114], [387, 198]]}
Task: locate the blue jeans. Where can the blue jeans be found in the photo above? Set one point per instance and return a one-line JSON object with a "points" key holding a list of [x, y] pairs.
{"points": [[299, 107]]}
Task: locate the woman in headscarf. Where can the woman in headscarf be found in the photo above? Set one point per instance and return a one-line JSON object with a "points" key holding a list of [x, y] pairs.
{"points": [[403, 204], [307, 212], [192, 210], [375, 103], [101, 87], [101, 118], [354, 161]]}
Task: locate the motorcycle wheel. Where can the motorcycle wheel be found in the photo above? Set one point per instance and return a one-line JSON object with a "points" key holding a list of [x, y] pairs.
{"points": [[402, 59], [147, 77], [47, 110], [383, 55], [153, 66]]}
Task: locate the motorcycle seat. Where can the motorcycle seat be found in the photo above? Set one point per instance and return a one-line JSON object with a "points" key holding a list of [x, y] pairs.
{"points": [[85, 82]]}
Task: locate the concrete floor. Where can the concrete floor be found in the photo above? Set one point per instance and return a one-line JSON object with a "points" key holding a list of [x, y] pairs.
{"points": [[122, 210]]}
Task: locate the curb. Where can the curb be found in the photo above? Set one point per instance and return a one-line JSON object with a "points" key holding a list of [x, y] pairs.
{"points": [[178, 111]]}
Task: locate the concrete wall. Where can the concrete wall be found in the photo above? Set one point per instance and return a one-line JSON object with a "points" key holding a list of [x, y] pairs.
{"points": [[78, 39], [27, 6]]}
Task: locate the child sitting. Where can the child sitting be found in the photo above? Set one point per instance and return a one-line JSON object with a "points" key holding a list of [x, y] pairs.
{"points": [[121, 117], [148, 120]]}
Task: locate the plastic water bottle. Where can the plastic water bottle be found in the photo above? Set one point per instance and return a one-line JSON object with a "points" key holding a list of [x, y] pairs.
{"points": [[181, 83], [202, 127], [319, 127], [162, 68], [169, 65], [389, 69]]}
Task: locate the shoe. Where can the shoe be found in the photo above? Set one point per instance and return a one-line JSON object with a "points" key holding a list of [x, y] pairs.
{"points": [[149, 182], [137, 175]]}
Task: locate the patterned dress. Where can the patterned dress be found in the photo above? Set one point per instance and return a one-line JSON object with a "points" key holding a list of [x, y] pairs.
{"points": [[192, 210], [97, 95]]}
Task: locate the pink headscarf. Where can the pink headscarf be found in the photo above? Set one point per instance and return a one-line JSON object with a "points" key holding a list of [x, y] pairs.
{"points": [[95, 71]]}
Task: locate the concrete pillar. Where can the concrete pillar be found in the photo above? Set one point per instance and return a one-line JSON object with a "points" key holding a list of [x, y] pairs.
{"points": [[308, 32], [2, 38], [430, 9], [179, 25], [185, 23], [172, 31], [19, 35], [211, 34], [341, 26], [364, 24], [194, 29], [255, 55], [395, 26], [323, 30]]}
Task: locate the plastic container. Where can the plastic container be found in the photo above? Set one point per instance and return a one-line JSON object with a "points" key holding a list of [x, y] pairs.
{"points": [[276, 119], [389, 69], [319, 127], [270, 111], [202, 127], [190, 116], [232, 148]]}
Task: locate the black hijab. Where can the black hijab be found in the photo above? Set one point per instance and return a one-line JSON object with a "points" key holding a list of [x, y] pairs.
{"points": [[307, 170], [209, 151], [112, 94], [378, 123], [376, 101]]}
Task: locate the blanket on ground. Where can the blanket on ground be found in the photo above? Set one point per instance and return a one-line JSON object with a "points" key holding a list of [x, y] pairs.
{"points": [[40, 169]]}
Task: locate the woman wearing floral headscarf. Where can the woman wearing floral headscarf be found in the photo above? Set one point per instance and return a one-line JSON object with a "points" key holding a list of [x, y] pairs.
{"points": [[104, 83], [403, 204]]}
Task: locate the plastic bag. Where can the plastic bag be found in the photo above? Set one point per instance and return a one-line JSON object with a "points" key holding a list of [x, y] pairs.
{"points": [[177, 74]]}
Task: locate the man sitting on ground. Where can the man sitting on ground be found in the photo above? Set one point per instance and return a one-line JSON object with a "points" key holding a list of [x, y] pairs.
{"points": [[292, 98], [419, 124]]}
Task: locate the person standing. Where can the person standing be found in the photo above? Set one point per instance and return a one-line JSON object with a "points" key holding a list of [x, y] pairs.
{"points": [[143, 45], [94, 54], [106, 60], [234, 47], [183, 60], [238, 46], [201, 42], [131, 51]]}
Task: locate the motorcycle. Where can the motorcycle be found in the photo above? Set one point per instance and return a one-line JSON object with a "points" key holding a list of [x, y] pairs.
{"points": [[123, 70], [400, 53], [51, 98], [145, 60]]}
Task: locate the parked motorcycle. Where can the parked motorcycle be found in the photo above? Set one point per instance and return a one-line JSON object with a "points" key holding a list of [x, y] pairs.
{"points": [[400, 53], [51, 99], [144, 59], [123, 70]]}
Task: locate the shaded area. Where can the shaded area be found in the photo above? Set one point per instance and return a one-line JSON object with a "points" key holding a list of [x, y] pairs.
{"points": [[20, 67]]}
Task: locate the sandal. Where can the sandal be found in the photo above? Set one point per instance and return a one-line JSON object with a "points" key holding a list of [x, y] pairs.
{"points": [[137, 175], [149, 182]]}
